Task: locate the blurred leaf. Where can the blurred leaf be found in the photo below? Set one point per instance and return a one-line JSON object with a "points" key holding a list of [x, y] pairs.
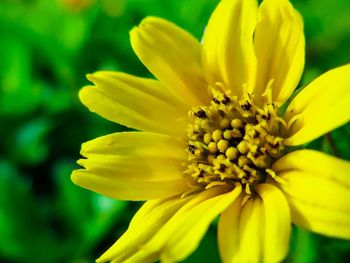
{"points": [[304, 246], [71, 201], [341, 141], [107, 214], [13, 189], [29, 145], [21, 222], [336, 251], [207, 250], [17, 96], [56, 100]]}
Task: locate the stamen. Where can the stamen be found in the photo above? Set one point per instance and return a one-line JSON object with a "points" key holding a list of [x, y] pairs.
{"points": [[275, 177], [293, 119], [244, 200], [268, 92], [215, 183]]}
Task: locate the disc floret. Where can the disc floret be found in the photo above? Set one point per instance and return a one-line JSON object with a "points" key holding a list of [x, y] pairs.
{"points": [[233, 140]]}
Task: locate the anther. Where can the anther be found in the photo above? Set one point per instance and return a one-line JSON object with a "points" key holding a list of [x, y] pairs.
{"points": [[216, 101], [191, 148], [246, 106], [222, 113], [201, 114], [222, 168], [226, 100], [266, 117], [256, 134]]}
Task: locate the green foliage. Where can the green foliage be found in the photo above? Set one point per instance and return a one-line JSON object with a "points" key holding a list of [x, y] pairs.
{"points": [[46, 48]]}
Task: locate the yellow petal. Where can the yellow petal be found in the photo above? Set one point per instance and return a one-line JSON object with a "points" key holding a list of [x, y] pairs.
{"points": [[257, 232], [318, 203], [182, 234], [125, 189], [323, 106], [228, 51], [228, 230], [317, 219], [136, 145], [173, 56], [325, 215], [318, 163], [250, 232], [240, 232], [316, 190], [277, 225], [280, 48], [139, 103], [146, 222], [133, 166]]}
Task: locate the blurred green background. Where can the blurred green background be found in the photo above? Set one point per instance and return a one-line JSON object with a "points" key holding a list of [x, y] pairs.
{"points": [[46, 49]]}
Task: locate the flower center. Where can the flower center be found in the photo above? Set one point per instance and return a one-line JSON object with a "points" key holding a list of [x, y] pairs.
{"points": [[233, 140]]}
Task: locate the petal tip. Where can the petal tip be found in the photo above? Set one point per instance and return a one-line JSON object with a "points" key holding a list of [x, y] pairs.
{"points": [[90, 76], [82, 92], [75, 178], [100, 260], [133, 31]]}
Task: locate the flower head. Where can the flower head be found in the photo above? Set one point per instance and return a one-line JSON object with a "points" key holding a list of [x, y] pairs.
{"points": [[215, 139]]}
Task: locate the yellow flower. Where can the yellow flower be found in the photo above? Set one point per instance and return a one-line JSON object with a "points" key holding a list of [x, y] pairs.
{"points": [[214, 140]]}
